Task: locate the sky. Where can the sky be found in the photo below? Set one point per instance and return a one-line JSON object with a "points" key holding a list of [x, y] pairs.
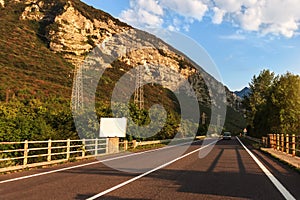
{"points": [[242, 37]]}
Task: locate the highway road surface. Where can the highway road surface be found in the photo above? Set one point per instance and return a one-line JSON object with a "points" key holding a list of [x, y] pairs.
{"points": [[229, 171]]}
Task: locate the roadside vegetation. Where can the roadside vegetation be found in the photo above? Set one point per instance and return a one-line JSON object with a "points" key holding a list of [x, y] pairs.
{"points": [[274, 104]]}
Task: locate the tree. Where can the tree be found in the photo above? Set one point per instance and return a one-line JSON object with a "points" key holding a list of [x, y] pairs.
{"points": [[287, 99], [259, 102], [274, 103]]}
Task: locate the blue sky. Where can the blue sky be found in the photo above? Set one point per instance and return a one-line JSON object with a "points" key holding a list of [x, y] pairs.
{"points": [[242, 37]]}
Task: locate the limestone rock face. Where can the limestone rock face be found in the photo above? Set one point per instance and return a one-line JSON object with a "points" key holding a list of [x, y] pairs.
{"points": [[72, 31], [32, 12], [2, 3], [69, 32]]}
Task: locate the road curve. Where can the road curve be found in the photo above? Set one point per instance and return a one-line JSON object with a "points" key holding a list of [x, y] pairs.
{"points": [[227, 172]]}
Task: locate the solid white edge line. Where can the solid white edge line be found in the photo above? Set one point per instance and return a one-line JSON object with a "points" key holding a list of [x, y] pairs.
{"points": [[147, 173], [92, 163], [278, 185]]}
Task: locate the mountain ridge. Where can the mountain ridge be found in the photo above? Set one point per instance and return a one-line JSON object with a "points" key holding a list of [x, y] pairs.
{"points": [[243, 93], [75, 38], [46, 40]]}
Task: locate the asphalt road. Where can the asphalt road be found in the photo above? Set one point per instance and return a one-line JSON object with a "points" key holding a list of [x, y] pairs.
{"points": [[227, 172]]}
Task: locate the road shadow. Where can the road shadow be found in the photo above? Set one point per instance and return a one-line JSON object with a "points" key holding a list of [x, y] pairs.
{"points": [[108, 197], [221, 177]]}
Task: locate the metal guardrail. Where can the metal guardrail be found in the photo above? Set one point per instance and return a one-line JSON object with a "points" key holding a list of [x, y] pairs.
{"points": [[26, 154], [37, 153], [254, 139], [287, 143], [134, 144], [284, 142]]}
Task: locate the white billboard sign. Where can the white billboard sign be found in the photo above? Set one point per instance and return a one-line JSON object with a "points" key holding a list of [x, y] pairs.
{"points": [[113, 127]]}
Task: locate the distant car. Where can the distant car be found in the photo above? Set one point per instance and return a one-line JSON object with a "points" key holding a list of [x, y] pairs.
{"points": [[226, 136]]}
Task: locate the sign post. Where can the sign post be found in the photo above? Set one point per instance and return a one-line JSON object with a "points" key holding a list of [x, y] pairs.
{"points": [[245, 132]]}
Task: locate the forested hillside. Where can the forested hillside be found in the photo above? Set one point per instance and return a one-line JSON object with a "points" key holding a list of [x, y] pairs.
{"points": [[44, 41]]}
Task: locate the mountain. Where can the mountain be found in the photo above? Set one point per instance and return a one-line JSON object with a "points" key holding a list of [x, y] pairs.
{"points": [[43, 42], [244, 92]]}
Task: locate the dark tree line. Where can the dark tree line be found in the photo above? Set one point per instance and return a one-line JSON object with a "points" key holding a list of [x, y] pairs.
{"points": [[34, 119], [273, 105]]}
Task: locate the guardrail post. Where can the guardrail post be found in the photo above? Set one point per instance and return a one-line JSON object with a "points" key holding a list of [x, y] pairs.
{"points": [[265, 141], [287, 144], [125, 145], [294, 144], [107, 145], [96, 146], [271, 140], [112, 145], [68, 148], [83, 147], [25, 153], [282, 142], [134, 143], [49, 150], [278, 141]]}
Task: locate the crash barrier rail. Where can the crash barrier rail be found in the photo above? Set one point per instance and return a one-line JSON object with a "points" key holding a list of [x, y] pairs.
{"points": [[282, 142], [38, 153], [125, 145], [288, 143], [254, 139], [27, 154]]}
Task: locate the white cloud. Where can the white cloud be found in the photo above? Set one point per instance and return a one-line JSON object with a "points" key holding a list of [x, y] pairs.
{"points": [[195, 9], [143, 13], [230, 6], [281, 17], [141, 18], [172, 28], [233, 37], [287, 29], [277, 17], [218, 15], [149, 5], [251, 19], [266, 17], [150, 13], [186, 27]]}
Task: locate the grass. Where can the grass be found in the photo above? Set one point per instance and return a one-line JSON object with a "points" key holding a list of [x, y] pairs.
{"points": [[26, 63]]}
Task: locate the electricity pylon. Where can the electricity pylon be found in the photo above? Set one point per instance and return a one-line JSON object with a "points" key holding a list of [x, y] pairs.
{"points": [[77, 92], [139, 90]]}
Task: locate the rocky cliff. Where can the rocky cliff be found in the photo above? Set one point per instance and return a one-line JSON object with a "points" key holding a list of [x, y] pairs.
{"points": [[71, 29]]}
